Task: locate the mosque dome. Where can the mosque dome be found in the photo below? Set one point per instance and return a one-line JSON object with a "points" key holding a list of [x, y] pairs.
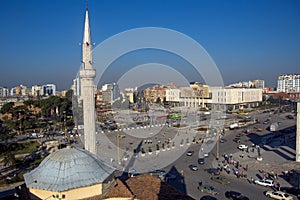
{"points": [[68, 168]]}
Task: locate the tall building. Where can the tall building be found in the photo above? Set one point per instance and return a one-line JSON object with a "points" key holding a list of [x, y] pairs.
{"points": [[19, 90], [87, 76], [288, 83], [43, 90], [49, 89], [3, 92], [110, 92]]}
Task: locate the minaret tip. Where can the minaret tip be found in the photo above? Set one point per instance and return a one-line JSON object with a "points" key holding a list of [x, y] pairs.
{"points": [[86, 5]]}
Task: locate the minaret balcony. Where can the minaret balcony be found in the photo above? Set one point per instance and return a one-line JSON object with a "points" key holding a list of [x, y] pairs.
{"points": [[87, 73]]}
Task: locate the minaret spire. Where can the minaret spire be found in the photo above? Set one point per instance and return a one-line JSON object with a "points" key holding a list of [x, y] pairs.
{"points": [[87, 76], [87, 42]]}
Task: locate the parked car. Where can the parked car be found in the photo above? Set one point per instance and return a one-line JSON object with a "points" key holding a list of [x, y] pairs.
{"points": [[222, 140], [205, 155], [213, 171], [236, 139], [193, 167], [190, 153], [278, 195], [242, 147], [265, 182], [220, 179], [208, 189], [201, 161], [207, 197], [209, 142], [235, 195]]}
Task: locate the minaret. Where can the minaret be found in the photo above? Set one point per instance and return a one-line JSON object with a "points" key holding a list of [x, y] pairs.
{"points": [[87, 76], [298, 133]]}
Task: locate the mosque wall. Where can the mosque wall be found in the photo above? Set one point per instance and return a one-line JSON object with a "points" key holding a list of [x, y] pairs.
{"points": [[78, 193]]}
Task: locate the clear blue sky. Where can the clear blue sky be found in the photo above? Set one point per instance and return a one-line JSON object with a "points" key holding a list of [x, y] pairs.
{"points": [[254, 39]]}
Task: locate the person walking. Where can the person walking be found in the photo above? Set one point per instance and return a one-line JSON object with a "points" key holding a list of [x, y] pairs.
{"points": [[200, 183], [278, 186]]}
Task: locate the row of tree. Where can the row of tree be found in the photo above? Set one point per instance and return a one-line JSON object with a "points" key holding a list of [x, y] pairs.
{"points": [[34, 114]]}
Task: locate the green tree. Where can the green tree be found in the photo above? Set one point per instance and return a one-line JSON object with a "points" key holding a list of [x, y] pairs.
{"points": [[6, 108], [9, 159]]}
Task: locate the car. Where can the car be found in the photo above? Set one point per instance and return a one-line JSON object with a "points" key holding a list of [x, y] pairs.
{"points": [[201, 161], [220, 179], [193, 167], [289, 117], [189, 153], [207, 197], [242, 147], [213, 171], [205, 154], [278, 195], [236, 140], [235, 195], [222, 140], [265, 182], [209, 142], [208, 189]]}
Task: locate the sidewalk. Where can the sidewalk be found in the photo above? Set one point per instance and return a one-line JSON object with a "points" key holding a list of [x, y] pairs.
{"points": [[271, 163]]}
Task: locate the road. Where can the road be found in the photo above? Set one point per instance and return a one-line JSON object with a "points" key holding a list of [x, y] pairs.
{"points": [[176, 161]]}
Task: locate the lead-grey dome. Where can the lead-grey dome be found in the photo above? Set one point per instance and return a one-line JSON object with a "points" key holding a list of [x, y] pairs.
{"points": [[67, 169]]}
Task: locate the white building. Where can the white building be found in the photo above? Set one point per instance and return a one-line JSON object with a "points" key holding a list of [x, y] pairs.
{"points": [[110, 92], [20, 90], [49, 90], [249, 84], [235, 97], [173, 94], [43, 90], [288, 83], [216, 96], [129, 94], [4, 92]]}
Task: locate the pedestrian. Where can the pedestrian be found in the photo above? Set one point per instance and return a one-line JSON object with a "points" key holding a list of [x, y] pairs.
{"points": [[252, 179], [200, 183], [278, 186], [246, 168]]}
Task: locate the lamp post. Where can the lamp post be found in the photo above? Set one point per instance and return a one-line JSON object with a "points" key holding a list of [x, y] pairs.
{"points": [[65, 123], [217, 147]]}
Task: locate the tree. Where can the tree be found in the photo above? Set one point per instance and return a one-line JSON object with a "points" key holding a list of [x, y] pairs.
{"points": [[4, 133], [6, 108], [9, 159]]}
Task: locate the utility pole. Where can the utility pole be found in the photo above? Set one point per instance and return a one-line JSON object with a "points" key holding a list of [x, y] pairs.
{"points": [[118, 143], [217, 147]]}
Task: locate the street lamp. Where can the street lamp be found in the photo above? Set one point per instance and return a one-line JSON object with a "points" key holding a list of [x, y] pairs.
{"points": [[65, 123], [217, 147]]}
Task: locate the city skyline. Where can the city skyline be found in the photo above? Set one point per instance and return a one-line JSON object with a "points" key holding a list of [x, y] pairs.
{"points": [[246, 39]]}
